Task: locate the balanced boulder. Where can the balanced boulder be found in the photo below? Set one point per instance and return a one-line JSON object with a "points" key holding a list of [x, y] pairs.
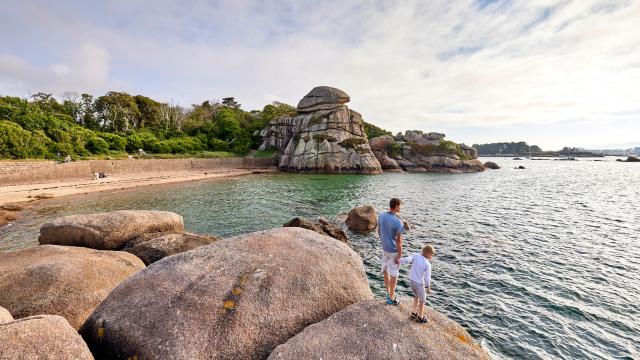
{"points": [[107, 231], [155, 246], [61, 280], [374, 330], [322, 97], [237, 298], [41, 337], [382, 143], [362, 219]]}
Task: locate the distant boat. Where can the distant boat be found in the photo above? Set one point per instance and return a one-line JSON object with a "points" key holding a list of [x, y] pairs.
{"points": [[517, 158], [566, 158]]}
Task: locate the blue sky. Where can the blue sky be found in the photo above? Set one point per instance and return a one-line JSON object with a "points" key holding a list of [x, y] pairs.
{"points": [[552, 73]]}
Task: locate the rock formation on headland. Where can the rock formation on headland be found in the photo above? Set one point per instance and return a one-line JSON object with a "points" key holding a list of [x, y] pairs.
{"points": [[325, 136], [415, 151]]}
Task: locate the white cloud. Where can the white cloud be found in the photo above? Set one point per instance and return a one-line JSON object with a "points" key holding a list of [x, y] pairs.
{"points": [[86, 69], [409, 64]]}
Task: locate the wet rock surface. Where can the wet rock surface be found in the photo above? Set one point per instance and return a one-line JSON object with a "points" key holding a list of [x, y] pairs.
{"points": [[362, 219], [323, 227], [61, 280], [491, 165], [235, 298]]}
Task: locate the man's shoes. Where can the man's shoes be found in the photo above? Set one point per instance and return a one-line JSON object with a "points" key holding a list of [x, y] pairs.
{"points": [[413, 316], [393, 302], [422, 320]]}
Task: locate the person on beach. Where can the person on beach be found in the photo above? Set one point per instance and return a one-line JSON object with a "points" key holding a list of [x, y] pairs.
{"points": [[420, 277], [390, 229]]}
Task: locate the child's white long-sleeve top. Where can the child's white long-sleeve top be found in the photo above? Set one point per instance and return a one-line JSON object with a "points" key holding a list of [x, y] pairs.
{"points": [[420, 268]]}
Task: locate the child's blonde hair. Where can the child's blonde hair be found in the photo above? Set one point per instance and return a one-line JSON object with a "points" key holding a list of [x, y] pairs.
{"points": [[429, 250]]}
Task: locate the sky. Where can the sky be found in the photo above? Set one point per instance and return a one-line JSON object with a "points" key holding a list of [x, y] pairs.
{"points": [[552, 73]]}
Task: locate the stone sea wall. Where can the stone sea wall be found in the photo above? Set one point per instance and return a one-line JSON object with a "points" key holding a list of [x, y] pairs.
{"points": [[83, 170]]}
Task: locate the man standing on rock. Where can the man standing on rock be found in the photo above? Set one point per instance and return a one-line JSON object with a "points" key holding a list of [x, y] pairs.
{"points": [[390, 229]]}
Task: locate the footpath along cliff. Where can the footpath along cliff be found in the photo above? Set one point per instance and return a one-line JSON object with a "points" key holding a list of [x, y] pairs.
{"points": [[325, 136]]}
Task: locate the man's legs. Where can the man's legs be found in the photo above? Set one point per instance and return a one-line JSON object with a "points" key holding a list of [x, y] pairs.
{"points": [[385, 274], [421, 310], [392, 287], [414, 308]]}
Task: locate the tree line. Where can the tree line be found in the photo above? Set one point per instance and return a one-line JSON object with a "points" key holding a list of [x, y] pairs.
{"points": [[81, 126], [512, 148]]}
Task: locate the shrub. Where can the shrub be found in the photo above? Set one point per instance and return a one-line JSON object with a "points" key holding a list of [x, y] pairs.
{"points": [[352, 143], [322, 137], [97, 145], [141, 140], [396, 149], [443, 147], [116, 142], [178, 146], [218, 145]]}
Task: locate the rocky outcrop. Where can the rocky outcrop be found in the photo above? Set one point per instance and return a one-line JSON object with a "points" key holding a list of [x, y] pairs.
{"points": [[373, 330], [362, 219], [155, 246], [45, 337], [324, 137], [322, 228], [236, 298], [61, 280], [632, 159], [389, 165], [491, 165], [417, 152], [107, 231], [5, 316]]}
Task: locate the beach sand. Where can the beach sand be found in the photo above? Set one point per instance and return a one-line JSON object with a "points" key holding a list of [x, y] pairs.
{"points": [[26, 193]]}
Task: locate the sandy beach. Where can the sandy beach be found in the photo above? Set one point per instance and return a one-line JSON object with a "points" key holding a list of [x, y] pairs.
{"points": [[25, 193]]}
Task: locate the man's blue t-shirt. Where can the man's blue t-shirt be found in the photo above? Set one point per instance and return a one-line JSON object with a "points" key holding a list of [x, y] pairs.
{"points": [[389, 227]]}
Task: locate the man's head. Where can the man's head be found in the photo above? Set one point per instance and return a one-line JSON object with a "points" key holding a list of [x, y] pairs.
{"points": [[428, 252], [394, 205]]}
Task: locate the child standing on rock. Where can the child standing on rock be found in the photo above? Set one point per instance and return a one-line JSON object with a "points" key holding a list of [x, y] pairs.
{"points": [[420, 276]]}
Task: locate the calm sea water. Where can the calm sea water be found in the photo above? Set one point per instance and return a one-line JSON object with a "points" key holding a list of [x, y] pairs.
{"points": [[535, 263]]}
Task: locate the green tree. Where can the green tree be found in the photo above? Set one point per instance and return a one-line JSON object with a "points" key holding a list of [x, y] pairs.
{"points": [[117, 111]]}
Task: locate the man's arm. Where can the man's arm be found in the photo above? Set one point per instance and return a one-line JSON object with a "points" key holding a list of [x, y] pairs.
{"points": [[399, 247]]}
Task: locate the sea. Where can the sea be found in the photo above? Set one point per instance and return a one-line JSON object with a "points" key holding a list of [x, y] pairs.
{"points": [[536, 263]]}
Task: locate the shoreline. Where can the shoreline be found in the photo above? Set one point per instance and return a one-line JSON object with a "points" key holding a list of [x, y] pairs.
{"points": [[21, 194]]}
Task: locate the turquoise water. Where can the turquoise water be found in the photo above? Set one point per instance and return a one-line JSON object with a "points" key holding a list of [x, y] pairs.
{"points": [[534, 263]]}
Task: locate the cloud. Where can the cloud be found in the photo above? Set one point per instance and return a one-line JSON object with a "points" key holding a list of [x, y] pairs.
{"points": [[410, 64], [86, 69]]}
